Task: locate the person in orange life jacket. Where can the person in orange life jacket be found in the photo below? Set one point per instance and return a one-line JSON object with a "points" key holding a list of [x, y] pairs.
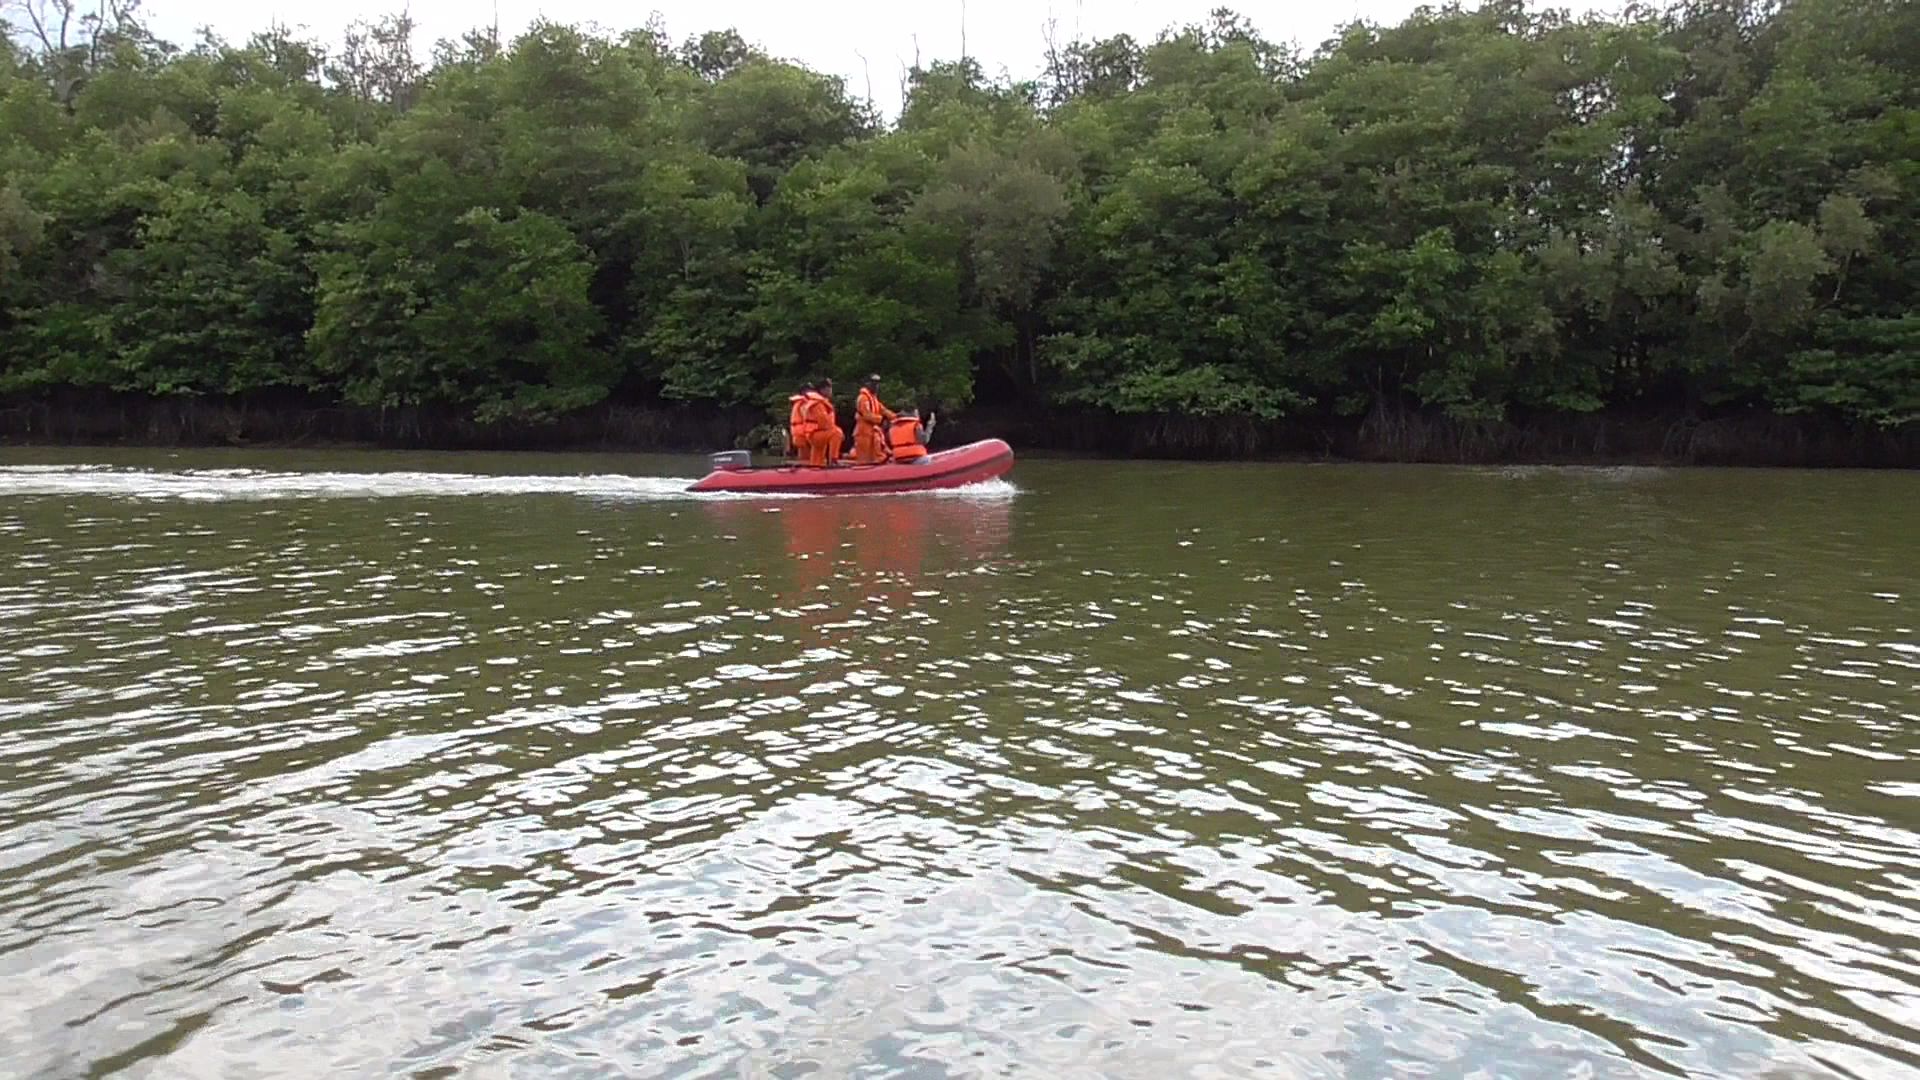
{"points": [[870, 420], [799, 426], [827, 438], [905, 438]]}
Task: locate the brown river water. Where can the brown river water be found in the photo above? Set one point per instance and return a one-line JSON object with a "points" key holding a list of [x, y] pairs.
{"points": [[356, 764]]}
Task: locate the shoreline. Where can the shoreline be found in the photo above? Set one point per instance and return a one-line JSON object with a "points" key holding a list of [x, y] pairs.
{"points": [[1754, 440]]}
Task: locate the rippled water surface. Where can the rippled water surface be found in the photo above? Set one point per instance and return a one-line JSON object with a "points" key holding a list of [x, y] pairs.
{"points": [[532, 766]]}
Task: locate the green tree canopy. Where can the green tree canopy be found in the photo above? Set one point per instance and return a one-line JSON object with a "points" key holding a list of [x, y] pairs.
{"points": [[1484, 213]]}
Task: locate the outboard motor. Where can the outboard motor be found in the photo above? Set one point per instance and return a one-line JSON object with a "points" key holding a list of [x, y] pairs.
{"points": [[731, 460]]}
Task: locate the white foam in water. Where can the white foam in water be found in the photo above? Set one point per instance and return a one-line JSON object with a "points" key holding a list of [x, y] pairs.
{"points": [[983, 491], [230, 484]]}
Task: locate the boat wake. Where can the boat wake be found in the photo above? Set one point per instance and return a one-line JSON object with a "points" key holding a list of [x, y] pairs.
{"points": [[218, 485]]}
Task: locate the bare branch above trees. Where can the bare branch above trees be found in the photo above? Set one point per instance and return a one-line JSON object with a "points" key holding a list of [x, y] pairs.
{"points": [[376, 61], [48, 21], [73, 42]]}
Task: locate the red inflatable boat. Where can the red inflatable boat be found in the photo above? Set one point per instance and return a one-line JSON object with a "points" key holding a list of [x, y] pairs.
{"points": [[958, 467]]}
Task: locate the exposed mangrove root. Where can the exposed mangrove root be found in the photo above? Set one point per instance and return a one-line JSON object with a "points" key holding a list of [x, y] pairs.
{"points": [[1654, 438]]}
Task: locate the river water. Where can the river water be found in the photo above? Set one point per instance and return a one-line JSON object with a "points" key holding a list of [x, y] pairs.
{"points": [[435, 765]]}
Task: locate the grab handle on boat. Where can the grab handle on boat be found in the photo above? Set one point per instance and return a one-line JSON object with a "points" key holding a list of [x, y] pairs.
{"points": [[730, 460]]}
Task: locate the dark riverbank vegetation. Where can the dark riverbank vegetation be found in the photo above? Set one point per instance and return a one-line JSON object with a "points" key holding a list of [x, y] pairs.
{"points": [[1498, 233]]}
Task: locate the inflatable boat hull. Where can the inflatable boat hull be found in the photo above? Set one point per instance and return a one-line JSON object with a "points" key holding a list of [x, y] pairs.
{"points": [[958, 467]]}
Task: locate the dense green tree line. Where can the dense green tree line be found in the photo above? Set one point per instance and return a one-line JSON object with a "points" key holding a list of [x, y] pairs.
{"points": [[1483, 214]]}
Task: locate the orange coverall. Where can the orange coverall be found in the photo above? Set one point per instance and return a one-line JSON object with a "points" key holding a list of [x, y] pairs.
{"points": [[799, 428], [870, 419], [827, 437]]}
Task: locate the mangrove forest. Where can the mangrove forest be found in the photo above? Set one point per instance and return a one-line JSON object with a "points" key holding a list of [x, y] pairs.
{"points": [[1443, 238]]}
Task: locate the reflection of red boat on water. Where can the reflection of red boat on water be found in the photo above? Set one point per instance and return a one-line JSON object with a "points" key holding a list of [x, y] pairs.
{"points": [[882, 533], [973, 463], [881, 546]]}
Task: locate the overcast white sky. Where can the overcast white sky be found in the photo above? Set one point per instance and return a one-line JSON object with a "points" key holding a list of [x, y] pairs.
{"points": [[828, 37]]}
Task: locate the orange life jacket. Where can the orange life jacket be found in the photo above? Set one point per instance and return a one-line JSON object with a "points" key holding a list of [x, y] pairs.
{"points": [[903, 439], [820, 412], [868, 410], [799, 423]]}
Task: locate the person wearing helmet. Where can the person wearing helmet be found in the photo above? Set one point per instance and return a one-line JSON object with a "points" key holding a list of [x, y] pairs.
{"points": [[870, 420]]}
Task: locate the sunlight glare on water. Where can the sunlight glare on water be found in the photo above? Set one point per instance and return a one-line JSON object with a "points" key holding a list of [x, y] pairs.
{"points": [[342, 764]]}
